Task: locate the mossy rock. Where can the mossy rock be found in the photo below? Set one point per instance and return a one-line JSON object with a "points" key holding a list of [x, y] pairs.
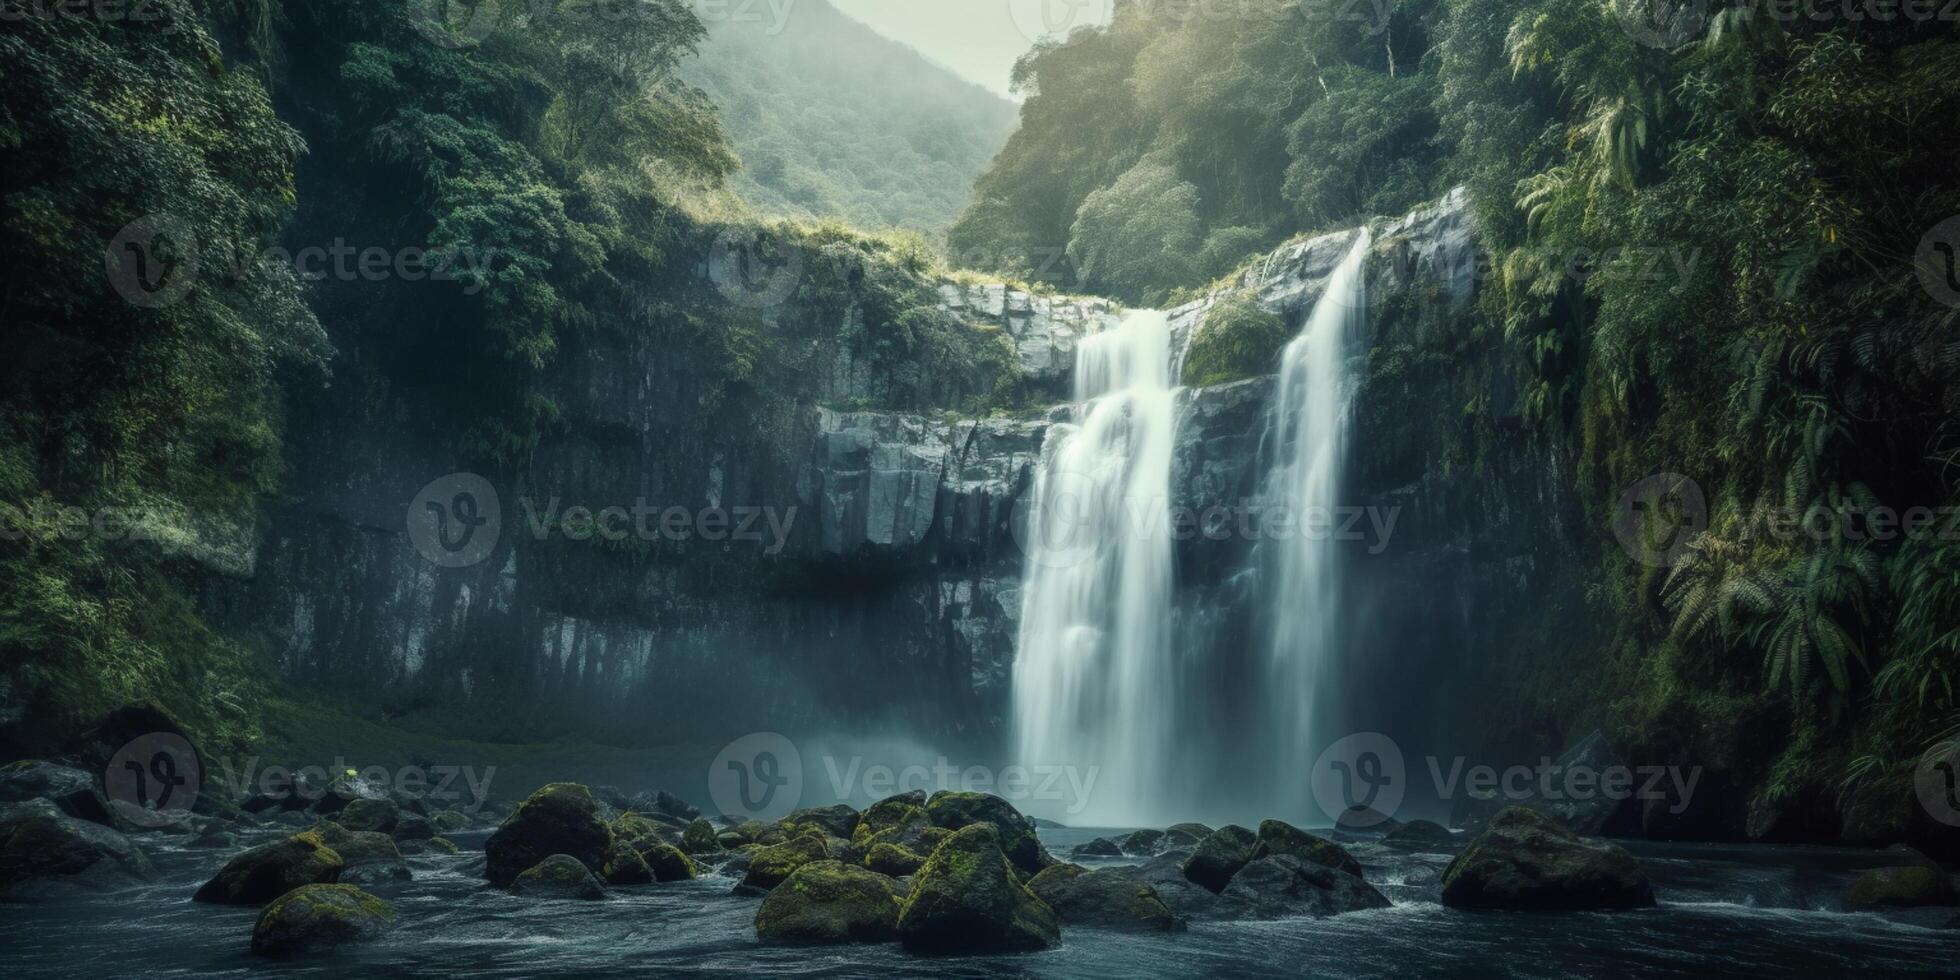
{"points": [[560, 876], [836, 820], [893, 860], [966, 899], [1104, 899], [730, 840], [448, 820], [42, 846], [1278, 837], [1142, 843], [260, 874], [751, 830], [315, 916], [625, 866], [1280, 886], [1220, 856], [890, 813], [72, 791], [369, 816], [1526, 860], [1903, 887], [829, 902], [669, 863], [443, 845], [771, 866], [367, 857], [1238, 339], [956, 810], [1419, 835], [699, 838], [413, 827], [561, 818]]}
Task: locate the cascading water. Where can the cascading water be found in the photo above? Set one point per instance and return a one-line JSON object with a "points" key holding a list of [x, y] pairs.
{"points": [[1307, 431], [1093, 677]]}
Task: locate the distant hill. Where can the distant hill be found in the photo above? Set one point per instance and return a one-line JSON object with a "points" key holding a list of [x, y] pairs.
{"points": [[834, 120]]}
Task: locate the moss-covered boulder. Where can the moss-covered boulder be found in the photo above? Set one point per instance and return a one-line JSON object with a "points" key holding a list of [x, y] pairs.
{"points": [[1902, 887], [891, 813], [625, 866], [1104, 899], [368, 858], [1283, 886], [730, 840], [42, 847], [893, 860], [1101, 847], [443, 845], [346, 789], [966, 899], [315, 916], [260, 874], [71, 790], [561, 818], [836, 820], [751, 831], [829, 902], [699, 838], [560, 876], [1238, 339], [369, 816], [668, 863], [1142, 843], [448, 820], [1526, 860], [771, 866], [413, 827], [1278, 837], [641, 831], [956, 810], [1220, 855]]}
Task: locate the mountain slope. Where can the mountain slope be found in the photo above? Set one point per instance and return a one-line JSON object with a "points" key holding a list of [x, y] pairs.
{"points": [[833, 120]]}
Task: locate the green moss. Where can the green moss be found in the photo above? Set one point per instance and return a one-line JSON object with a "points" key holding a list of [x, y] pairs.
{"points": [[829, 901], [1239, 339]]}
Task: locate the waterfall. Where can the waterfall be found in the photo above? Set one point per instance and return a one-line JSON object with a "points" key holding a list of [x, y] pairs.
{"points": [[1307, 432], [1093, 674]]}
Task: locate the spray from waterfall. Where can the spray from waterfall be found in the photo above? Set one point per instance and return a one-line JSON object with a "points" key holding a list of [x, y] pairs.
{"points": [[1094, 684], [1307, 431]]}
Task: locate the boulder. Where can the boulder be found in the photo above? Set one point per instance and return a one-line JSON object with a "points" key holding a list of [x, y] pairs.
{"points": [[561, 818], [1526, 860], [1103, 898], [829, 902], [132, 819], [664, 803], [41, 846], [730, 840], [1185, 835], [347, 788], [1277, 837], [260, 874], [625, 866], [891, 813], [641, 831], [668, 863], [772, 865], [1220, 855], [1143, 843], [954, 810], [893, 860], [442, 845], [414, 826], [560, 876], [1165, 875], [966, 899], [71, 790], [1101, 847], [368, 858], [369, 815], [448, 820], [1419, 835], [836, 820], [699, 838], [315, 916], [1903, 887], [1285, 886]]}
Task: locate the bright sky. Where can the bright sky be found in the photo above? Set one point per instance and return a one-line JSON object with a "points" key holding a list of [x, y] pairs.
{"points": [[979, 39]]}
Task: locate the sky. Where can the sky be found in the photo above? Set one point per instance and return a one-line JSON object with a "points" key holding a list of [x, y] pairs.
{"points": [[978, 39]]}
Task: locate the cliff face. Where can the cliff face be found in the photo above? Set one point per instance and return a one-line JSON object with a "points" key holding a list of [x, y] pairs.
{"points": [[869, 572]]}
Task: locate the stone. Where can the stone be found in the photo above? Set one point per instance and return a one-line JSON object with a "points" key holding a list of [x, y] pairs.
{"points": [[1285, 886], [837, 820], [1165, 874], [665, 804], [893, 860], [829, 902], [890, 813], [345, 789], [1527, 860], [43, 847], [1101, 847], [1184, 835], [443, 845], [967, 899], [560, 876], [369, 815], [625, 866], [367, 857], [699, 838], [955, 810], [260, 874], [668, 863], [316, 916], [1103, 898], [1220, 855], [772, 865], [1419, 835], [560, 818], [1903, 887], [71, 790], [414, 827], [1277, 837], [1143, 843]]}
